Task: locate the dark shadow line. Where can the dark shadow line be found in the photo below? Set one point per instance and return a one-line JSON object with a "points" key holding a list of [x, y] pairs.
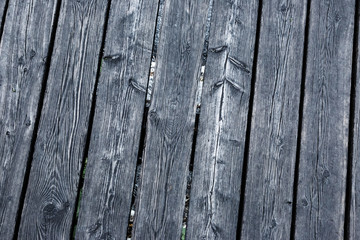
{"points": [[248, 127], [191, 167], [3, 19], [90, 126], [142, 142], [197, 119], [300, 114], [349, 179], [37, 120]]}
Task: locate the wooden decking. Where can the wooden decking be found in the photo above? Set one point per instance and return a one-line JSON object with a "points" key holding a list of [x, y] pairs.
{"points": [[169, 119]]}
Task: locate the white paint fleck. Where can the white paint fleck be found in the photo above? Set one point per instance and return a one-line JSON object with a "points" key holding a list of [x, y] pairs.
{"points": [[200, 89], [151, 82]]}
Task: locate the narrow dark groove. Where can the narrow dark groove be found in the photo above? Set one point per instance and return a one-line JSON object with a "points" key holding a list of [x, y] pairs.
{"points": [[189, 178], [37, 120], [348, 197], [248, 127], [207, 33], [193, 147], [137, 171], [3, 19], [142, 141], [300, 114], [197, 120], [91, 121]]}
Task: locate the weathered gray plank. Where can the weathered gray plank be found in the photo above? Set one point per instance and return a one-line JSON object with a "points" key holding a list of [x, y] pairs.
{"points": [[324, 139], [215, 192], [23, 51], [2, 13], [117, 123], [274, 125], [51, 194], [171, 121], [354, 224]]}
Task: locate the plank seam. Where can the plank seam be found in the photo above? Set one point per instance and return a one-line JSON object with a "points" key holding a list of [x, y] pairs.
{"points": [[37, 119], [349, 179], [189, 178], [300, 114], [198, 98], [89, 131], [248, 127], [147, 102], [4, 19]]}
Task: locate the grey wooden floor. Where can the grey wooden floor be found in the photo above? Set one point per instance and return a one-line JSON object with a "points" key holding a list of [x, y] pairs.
{"points": [[179, 119]]}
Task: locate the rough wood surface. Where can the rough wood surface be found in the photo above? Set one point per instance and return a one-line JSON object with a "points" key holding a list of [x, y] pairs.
{"points": [[51, 194], [171, 121], [215, 192], [64, 90], [354, 224], [23, 51], [117, 125], [274, 125], [324, 140]]}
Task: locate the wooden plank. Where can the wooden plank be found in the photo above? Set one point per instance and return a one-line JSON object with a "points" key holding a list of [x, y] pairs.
{"points": [[171, 121], [275, 119], [354, 224], [51, 195], [117, 123], [23, 51], [324, 138], [215, 191]]}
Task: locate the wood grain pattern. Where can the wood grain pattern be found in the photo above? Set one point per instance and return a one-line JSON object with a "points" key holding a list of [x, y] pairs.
{"points": [[324, 140], [51, 194], [23, 51], [118, 117], [274, 124], [171, 121], [215, 192], [354, 224]]}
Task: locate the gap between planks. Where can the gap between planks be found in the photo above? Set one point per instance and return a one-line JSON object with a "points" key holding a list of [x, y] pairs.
{"points": [[37, 119], [197, 118], [147, 102], [3, 18], [349, 177], [301, 107], [91, 120], [248, 127]]}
